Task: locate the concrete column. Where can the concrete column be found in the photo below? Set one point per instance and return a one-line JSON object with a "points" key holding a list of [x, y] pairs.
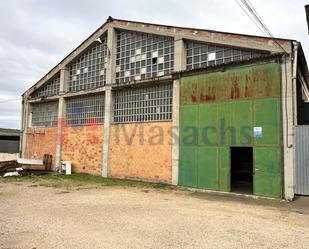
{"points": [[288, 128], [110, 79], [107, 122], [179, 65], [21, 128], [180, 55], [24, 125], [64, 76]]}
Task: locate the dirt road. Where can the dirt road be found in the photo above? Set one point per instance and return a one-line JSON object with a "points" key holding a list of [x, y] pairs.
{"points": [[32, 216]]}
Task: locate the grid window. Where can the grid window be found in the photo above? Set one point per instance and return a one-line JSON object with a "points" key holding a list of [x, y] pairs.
{"points": [[142, 56], [49, 89], [45, 114], [89, 70], [144, 104], [85, 110], [203, 54]]}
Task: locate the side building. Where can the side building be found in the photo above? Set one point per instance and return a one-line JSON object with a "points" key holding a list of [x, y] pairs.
{"points": [[9, 144], [190, 107]]}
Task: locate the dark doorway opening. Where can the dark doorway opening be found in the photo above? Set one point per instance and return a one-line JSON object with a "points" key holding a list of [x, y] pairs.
{"points": [[242, 170]]}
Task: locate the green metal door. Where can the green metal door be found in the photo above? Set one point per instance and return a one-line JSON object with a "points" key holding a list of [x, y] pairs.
{"points": [[221, 109], [207, 167], [207, 147], [241, 119], [267, 150], [267, 172], [188, 145], [224, 173]]}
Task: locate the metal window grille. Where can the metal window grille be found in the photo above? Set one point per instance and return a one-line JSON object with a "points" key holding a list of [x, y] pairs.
{"points": [[85, 110], [49, 89], [142, 56], [45, 114], [204, 54], [89, 70], [144, 104]]}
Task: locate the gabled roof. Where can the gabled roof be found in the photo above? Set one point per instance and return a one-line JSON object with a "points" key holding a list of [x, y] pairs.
{"points": [[203, 35]]}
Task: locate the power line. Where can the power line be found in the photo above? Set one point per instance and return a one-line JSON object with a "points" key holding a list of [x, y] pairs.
{"points": [[256, 16], [257, 20], [239, 4]]}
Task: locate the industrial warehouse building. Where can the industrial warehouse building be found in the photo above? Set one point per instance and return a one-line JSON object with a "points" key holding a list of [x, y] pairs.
{"points": [[190, 107]]}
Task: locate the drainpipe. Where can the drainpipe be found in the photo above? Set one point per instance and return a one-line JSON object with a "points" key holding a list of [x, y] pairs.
{"points": [[294, 81]]}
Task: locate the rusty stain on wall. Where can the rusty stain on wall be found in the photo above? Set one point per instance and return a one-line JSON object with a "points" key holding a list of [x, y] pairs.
{"points": [[243, 83]]}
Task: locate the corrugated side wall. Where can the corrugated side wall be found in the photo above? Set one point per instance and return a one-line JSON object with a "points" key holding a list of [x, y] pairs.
{"points": [[82, 145], [141, 151], [220, 110], [302, 159], [41, 141]]}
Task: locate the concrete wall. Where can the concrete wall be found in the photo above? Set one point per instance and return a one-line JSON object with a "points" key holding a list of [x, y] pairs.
{"points": [[141, 151], [82, 146], [41, 141]]}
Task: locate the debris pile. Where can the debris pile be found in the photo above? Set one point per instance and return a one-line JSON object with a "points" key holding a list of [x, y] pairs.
{"points": [[23, 167], [9, 167]]}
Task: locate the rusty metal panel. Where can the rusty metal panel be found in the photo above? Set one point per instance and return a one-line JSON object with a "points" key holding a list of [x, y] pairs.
{"points": [[302, 159], [260, 81]]}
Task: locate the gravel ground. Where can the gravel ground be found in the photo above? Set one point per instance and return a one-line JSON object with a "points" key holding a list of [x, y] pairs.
{"points": [[112, 217]]}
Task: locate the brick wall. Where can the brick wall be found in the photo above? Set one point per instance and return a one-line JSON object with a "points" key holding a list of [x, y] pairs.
{"points": [[82, 146], [41, 141], [141, 151]]}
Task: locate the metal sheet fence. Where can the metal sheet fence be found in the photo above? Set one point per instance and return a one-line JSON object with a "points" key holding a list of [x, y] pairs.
{"points": [[302, 159]]}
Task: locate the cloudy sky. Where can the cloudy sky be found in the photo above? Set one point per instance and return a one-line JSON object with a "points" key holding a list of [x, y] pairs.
{"points": [[35, 34]]}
